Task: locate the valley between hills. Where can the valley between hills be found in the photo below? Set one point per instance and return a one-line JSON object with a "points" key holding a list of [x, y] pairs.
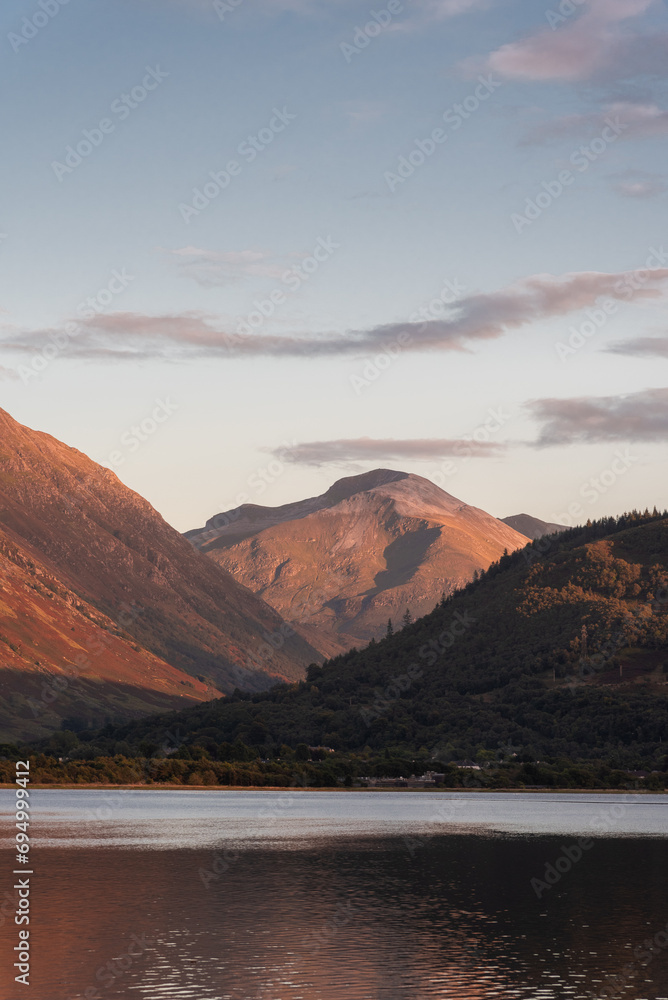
{"points": [[108, 613], [384, 627]]}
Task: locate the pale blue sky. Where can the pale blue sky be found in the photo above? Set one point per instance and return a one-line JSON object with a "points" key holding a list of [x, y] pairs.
{"points": [[326, 180]]}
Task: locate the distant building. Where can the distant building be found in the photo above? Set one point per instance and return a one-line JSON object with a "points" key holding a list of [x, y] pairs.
{"points": [[428, 780]]}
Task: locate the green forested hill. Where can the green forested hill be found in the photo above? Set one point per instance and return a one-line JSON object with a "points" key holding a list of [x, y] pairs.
{"points": [[559, 651]]}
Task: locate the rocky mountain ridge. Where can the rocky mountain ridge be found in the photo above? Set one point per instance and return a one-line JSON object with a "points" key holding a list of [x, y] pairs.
{"points": [[368, 549]]}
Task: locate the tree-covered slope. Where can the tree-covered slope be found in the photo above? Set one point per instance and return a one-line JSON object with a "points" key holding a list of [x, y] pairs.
{"points": [[558, 650]]}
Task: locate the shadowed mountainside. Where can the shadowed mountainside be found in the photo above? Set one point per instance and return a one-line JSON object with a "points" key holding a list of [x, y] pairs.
{"points": [[530, 526], [106, 547]]}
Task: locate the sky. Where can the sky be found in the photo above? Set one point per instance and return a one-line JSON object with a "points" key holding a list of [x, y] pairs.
{"points": [[249, 247]]}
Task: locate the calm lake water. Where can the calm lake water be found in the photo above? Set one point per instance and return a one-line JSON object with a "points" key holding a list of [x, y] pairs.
{"points": [[343, 896]]}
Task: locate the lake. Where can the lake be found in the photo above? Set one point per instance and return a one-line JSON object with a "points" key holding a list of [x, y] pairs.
{"points": [[301, 895]]}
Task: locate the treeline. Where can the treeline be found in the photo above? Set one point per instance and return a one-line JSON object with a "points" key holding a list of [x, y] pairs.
{"points": [[194, 767]]}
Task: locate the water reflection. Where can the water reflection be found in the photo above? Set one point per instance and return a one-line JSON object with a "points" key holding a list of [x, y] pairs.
{"points": [[455, 918]]}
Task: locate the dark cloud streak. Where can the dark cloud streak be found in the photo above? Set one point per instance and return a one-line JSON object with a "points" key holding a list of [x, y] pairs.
{"points": [[641, 347], [640, 416], [386, 449], [467, 322]]}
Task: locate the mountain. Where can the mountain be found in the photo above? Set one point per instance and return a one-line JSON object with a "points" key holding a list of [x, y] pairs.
{"points": [[102, 545], [530, 526], [62, 660], [555, 652], [368, 549]]}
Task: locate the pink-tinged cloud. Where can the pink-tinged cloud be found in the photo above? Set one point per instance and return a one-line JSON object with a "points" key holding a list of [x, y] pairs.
{"points": [[441, 9], [576, 48], [639, 416], [216, 268], [470, 320], [640, 184], [636, 119], [433, 9], [364, 449]]}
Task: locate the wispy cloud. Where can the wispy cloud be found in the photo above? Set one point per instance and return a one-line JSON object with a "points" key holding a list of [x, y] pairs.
{"points": [[641, 347], [362, 112], [638, 119], [345, 451], [472, 319], [214, 268], [639, 416], [430, 9], [639, 184], [441, 10], [595, 44]]}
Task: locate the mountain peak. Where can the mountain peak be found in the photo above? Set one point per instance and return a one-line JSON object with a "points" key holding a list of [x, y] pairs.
{"points": [[530, 526], [370, 547], [350, 485], [409, 493]]}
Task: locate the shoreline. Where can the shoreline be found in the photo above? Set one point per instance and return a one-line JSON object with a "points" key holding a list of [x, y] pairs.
{"points": [[166, 787]]}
